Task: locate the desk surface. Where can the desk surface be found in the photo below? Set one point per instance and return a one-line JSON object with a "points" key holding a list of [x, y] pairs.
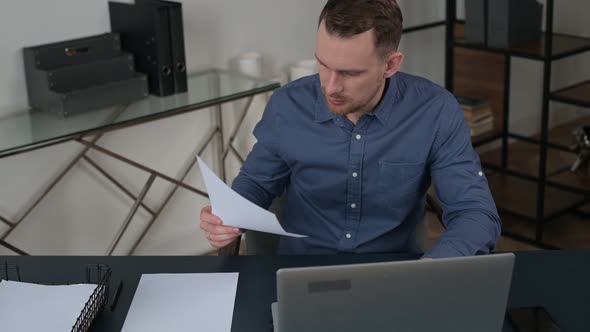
{"points": [[27, 129], [556, 280]]}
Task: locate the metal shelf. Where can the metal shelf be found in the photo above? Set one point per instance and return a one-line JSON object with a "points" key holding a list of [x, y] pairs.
{"points": [[513, 196], [425, 26], [564, 45], [486, 138], [524, 157], [530, 179], [577, 94]]}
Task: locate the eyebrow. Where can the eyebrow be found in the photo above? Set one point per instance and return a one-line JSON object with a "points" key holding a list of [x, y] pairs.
{"points": [[349, 71]]}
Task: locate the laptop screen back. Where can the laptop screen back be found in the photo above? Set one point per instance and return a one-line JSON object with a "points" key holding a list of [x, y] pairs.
{"points": [[453, 294]]}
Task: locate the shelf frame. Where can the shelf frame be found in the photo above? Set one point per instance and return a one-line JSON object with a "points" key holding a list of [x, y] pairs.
{"points": [[547, 56]]}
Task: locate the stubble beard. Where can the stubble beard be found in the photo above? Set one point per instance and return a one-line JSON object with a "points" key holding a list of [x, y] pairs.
{"points": [[341, 110], [348, 107]]}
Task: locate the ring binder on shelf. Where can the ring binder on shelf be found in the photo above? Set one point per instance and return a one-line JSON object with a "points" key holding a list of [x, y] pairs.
{"points": [[98, 274], [176, 40], [153, 31]]}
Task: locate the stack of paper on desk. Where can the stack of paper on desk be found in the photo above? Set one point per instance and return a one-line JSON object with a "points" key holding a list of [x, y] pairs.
{"points": [[183, 302], [235, 210], [33, 307]]}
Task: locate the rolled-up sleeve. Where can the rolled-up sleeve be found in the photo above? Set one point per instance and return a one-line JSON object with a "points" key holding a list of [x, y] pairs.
{"points": [[469, 212], [264, 173]]}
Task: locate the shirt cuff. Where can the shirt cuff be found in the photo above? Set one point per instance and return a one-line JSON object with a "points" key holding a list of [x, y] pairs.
{"points": [[443, 250]]}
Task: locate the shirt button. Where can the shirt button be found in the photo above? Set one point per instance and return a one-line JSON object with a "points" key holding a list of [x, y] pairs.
{"points": [[353, 205], [480, 173], [358, 136], [348, 236], [355, 174]]}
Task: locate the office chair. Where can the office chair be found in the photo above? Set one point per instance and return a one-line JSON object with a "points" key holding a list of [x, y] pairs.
{"points": [[259, 243]]}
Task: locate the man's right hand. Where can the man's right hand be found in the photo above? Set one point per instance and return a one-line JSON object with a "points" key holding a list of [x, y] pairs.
{"points": [[218, 235]]}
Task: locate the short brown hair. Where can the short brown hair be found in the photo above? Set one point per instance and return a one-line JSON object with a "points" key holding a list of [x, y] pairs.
{"points": [[346, 18]]}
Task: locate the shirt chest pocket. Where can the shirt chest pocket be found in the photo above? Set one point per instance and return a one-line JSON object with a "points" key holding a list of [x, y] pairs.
{"points": [[400, 183]]}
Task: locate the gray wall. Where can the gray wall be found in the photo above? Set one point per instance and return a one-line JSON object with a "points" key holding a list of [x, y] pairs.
{"points": [[84, 211]]}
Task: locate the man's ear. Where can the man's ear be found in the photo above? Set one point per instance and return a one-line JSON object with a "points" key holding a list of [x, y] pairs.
{"points": [[393, 63]]}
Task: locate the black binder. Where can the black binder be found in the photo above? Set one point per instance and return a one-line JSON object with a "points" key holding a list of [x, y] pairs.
{"points": [[176, 39], [153, 31], [145, 31], [476, 21], [513, 23]]}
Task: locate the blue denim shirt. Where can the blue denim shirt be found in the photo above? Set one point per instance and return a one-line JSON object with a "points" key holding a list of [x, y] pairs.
{"points": [[362, 188]]}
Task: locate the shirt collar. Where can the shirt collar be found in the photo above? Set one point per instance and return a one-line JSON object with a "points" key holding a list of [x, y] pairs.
{"points": [[382, 112], [322, 113], [384, 108]]}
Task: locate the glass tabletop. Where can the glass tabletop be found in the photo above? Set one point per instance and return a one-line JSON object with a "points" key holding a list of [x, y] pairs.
{"points": [[28, 129]]}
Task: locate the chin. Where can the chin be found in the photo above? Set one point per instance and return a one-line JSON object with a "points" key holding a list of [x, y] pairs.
{"points": [[340, 110]]}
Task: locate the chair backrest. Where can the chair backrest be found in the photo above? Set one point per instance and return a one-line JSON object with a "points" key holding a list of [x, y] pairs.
{"points": [[265, 244]]}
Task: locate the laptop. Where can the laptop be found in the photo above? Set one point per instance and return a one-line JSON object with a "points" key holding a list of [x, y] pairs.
{"points": [[443, 295]]}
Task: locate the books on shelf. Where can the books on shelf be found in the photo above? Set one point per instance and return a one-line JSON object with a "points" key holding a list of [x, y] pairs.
{"points": [[478, 114], [482, 127], [471, 103]]}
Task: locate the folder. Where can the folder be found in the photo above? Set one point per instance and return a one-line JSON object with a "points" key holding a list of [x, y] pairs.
{"points": [[476, 25], [513, 23], [176, 39], [145, 31]]}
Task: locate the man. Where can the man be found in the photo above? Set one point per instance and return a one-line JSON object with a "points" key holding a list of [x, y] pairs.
{"points": [[356, 147]]}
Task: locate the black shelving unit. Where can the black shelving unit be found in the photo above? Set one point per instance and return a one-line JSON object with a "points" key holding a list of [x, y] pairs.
{"points": [[425, 26], [545, 181]]}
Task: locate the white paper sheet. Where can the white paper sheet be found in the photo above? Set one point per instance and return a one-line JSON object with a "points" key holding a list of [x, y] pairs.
{"points": [[183, 302], [237, 211], [32, 307]]}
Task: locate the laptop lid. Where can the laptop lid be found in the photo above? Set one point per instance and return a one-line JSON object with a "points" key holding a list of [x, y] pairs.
{"points": [[451, 294]]}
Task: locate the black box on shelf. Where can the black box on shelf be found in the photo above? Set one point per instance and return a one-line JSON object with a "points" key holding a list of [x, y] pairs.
{"points": [[513, 23], [153, 31], [81, 75]]}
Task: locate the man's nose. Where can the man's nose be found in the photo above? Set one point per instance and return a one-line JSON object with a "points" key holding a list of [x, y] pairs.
{"points": [[333, 84]]}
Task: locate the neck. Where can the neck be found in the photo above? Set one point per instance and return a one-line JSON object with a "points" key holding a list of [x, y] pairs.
{"points": [[370, 106]]}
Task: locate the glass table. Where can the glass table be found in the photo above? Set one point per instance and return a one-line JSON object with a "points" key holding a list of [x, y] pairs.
{"points": [[32, 129]]}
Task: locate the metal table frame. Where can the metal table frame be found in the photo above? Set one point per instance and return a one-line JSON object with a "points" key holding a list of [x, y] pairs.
{"points": [[90, 143]]}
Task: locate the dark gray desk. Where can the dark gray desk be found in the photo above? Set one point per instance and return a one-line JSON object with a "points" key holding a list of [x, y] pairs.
{"points": [[556, 280]]}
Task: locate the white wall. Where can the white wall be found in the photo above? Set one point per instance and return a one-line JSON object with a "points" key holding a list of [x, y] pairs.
{"points": [[82, 214], [84, 211]]}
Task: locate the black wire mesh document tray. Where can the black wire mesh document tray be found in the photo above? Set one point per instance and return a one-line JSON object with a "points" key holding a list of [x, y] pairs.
{"points": [[28, 306]]}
